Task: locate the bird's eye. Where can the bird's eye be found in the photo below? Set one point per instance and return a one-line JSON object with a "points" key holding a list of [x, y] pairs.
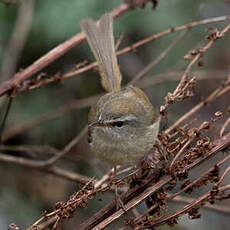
{"points": [[118, 124]]}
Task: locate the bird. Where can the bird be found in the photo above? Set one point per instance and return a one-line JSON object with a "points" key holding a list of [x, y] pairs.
{"points": [[122, 125]]}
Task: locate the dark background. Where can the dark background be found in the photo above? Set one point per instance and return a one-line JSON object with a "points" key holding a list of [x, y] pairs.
{"points": [[25, 193]]}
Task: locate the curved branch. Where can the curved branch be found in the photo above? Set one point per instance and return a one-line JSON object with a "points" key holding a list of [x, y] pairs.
{"points": [[52, 55]]}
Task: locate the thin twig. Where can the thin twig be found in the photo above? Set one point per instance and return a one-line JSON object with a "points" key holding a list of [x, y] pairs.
{"points": [[79, 38], [129, 48], [199, 53], [223, 175], [195, 202], [224, 127], [21, 127], [143, 72], [118, 42], [43, 164], [92, 223], [69, 175], [173, 196], [175, 76], [9, 103], [67, 148], [214, 207], [24, 126], [18, 39], [191, 139], [54, 54], [203, 175], [214, 95]]}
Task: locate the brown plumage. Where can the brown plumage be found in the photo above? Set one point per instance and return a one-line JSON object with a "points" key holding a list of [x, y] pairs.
{"points": [[122, 125]]}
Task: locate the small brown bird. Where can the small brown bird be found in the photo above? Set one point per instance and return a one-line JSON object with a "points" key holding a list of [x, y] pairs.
{"points": [[122, 126]]}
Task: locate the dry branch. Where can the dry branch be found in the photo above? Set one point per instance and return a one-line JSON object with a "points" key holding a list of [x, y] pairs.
{"points": [[184, 150], [152, 184], [182, 90], [76, 40], [54, 54], [39, 82]]}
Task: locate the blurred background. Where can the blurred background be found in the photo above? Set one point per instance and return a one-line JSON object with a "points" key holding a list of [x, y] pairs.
{"points": [[35, 118]]}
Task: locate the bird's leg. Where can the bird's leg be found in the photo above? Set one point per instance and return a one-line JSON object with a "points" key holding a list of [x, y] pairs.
{"points": [[118, 201]]}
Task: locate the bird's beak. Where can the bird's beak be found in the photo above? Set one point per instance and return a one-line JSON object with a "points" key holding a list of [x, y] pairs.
{"points": [[96, 123]]}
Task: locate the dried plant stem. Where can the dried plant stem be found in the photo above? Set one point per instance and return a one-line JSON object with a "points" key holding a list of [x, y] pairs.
{"points": [[130, 48], [54, 54], [100, 184], [191, 139], [214, 95], [203, 175], [77, 39], [9, 103], [197, 57], [184, 79], [43, 164], [18, 38], [130, 204], [23, 126], [99, 220], [195, 202], [216, 208], [143, 72], [227, 122], [186, 200], [102, 181], [217, 146], [223, 176], [85, 102]]}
